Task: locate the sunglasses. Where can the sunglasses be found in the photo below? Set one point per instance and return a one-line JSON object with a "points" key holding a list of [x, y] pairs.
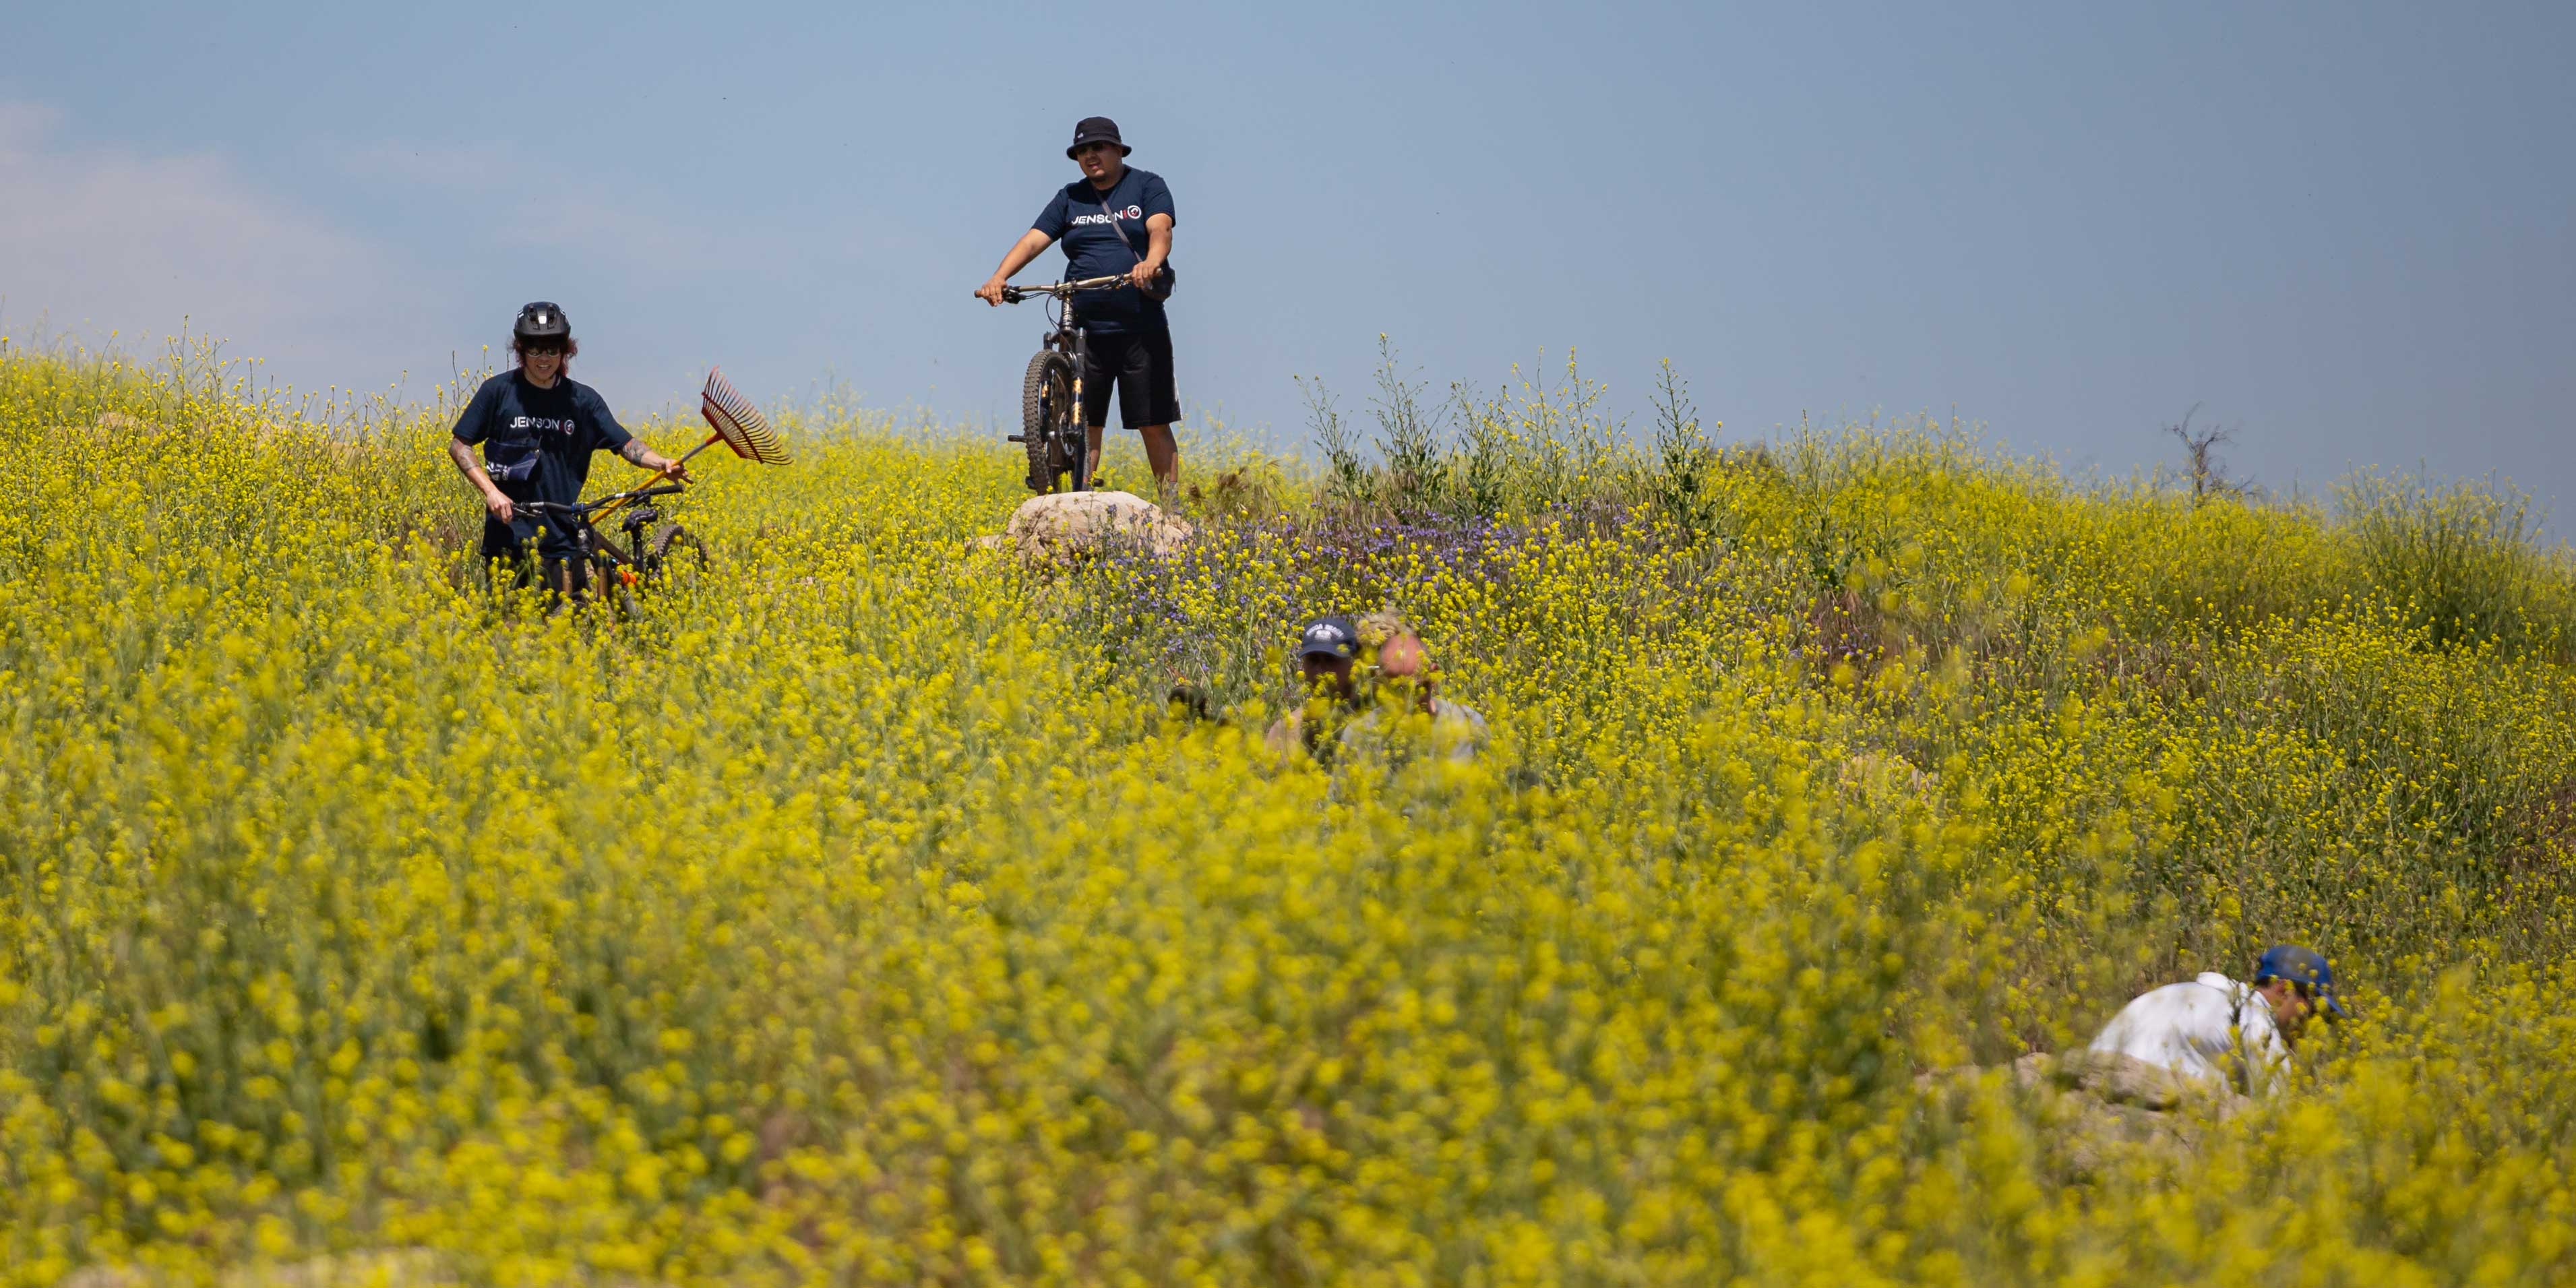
{"points": [[535, 347]]}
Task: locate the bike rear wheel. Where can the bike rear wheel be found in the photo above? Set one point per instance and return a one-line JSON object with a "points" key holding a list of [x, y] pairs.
{"points": [[1049, 424], [674, 557], [669, 558]]}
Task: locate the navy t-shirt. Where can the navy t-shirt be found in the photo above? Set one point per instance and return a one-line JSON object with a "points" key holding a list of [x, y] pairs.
{"points": [[1092, 247], [537, 442]]}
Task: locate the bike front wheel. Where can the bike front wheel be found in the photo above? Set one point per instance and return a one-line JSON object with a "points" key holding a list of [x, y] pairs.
{"points": [[611, 584], [1049, 424]]}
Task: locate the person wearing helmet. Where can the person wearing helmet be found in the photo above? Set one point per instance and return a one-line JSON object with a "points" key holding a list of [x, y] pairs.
{"points": [[2214, 1027], [538, 427], [1115, 220]]}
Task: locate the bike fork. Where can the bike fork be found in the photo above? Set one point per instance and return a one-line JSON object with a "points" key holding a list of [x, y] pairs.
{"points": [[1080, 448]]}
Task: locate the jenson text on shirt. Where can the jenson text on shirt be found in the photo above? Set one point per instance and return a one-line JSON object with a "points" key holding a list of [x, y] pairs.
{"points": [[1132, 212]]}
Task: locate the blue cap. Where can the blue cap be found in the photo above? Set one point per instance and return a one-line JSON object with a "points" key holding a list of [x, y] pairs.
{"points": [[1333, 636], [2301, 966]]}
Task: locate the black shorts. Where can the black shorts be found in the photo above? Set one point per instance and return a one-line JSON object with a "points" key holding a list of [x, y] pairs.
{"points": [[508, 547], [1140, 363]]}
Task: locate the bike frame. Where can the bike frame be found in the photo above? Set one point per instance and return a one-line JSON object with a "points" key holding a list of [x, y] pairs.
{"points": [[1074, 341], [1081, 363], [582, 522]]}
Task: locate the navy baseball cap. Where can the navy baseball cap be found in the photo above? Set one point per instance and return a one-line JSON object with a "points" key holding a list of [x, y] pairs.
{"points": [[1097, 129], [1329, 636], [2301, 966]]}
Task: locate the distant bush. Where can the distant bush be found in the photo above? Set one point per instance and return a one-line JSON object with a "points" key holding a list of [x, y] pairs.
{"points": [[1524, 449], [2460, 562]]}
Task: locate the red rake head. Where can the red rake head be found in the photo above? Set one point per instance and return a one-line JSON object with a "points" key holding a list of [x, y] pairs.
{"points": [[740, 424]]}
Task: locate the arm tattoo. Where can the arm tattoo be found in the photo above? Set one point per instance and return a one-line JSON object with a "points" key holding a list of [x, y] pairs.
{"points": [[634, 451]]}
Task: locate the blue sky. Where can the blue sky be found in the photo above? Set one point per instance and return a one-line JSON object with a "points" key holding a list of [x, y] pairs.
{"points": [[2349, 231]]}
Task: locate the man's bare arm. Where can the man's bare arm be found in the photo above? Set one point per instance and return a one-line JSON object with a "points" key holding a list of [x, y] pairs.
{"points": [[1158, 240], [494, 503], [643, 457], [1030, 245], [1158, 248]]}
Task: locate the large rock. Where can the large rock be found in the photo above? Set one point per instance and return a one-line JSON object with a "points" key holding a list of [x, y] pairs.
{"points": [[2117, 1079], [2101, 1105], [1069, 527]]}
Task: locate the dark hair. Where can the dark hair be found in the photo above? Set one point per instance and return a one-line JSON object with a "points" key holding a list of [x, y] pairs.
{"points": [[571, 349], [2301, 987]]}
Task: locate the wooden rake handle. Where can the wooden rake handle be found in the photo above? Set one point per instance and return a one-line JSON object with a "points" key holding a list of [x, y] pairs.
{"points": [[711, 440]]}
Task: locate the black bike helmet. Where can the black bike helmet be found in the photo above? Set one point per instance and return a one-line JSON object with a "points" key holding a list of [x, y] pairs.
{"points": [[542, 321]]}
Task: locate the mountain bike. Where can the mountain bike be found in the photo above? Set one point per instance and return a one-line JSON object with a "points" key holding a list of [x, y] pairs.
{"points": [[1051, 392], [656, 554]]}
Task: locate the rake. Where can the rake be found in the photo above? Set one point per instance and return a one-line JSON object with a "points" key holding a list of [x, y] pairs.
{"points": [[738, 425]]}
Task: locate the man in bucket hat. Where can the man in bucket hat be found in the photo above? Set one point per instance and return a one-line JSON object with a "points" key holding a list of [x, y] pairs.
{"points": [[1115, 220], [2214, 1027]]}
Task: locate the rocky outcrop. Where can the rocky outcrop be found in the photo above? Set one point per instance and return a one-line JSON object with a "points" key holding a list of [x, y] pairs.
{"points": [[2098, 1104], [2116, 1079], [1069, 527]]}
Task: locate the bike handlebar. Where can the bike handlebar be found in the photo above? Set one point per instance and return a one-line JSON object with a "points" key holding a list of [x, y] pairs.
{"points": [[584, 509], [1062, 290], [659, 489]]}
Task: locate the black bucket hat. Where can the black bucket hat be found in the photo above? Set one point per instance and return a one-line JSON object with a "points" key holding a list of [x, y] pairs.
{"points": [[1096, 129]]}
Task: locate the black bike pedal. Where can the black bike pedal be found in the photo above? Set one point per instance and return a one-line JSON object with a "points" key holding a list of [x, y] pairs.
{"points": [[1019, 438]]}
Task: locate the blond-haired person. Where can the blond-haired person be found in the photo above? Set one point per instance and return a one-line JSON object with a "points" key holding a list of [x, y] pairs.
{"points": [[1407, 690]]}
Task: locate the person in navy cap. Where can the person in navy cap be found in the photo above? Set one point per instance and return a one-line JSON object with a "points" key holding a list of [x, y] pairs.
{"points": [[2218, 1030], [1114, 221], [1328, 656]]}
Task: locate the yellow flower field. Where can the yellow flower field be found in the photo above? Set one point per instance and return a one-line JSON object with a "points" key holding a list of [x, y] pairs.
{"points": [[861, 913]]}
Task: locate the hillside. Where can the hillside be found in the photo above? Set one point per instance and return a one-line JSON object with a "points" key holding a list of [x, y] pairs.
{"points": [[861, 912]]}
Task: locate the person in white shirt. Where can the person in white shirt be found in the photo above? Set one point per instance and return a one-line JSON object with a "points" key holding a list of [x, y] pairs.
{"points": [[2220, 1031]]}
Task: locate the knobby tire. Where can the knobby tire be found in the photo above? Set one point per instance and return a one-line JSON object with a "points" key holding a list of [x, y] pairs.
{"points": [[674, 554], [1047, 423]]}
